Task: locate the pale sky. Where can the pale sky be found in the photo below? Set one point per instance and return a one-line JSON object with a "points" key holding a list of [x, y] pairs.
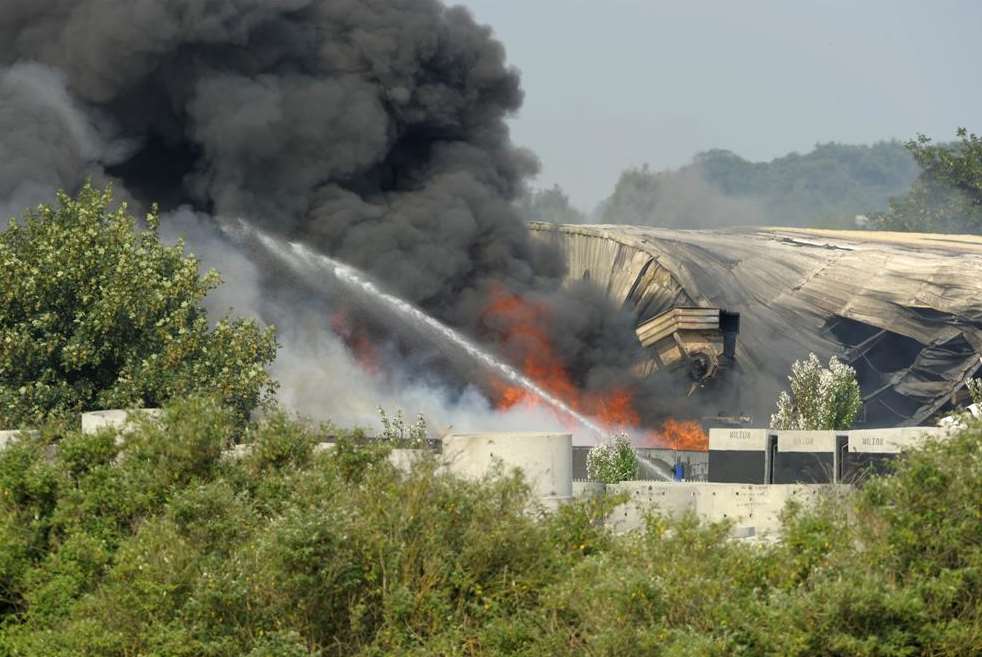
{"points": [[615, 83]]}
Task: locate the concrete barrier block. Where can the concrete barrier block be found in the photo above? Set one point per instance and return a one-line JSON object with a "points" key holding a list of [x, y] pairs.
{"points": [[737, 440], [710, 502], [743, 532], [805, 457], [754, 510], [734, 502], [583, 489], [670, 498], [646, 497], [738, 455], [244, 450], [115, 419], [891, 441], [544, 458], [770, 501], [404, 459], [8, 437], [806, 441], [552, 504]]}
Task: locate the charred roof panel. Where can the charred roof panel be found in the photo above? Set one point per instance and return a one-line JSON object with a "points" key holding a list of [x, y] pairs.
{"points": [[903, 308]]}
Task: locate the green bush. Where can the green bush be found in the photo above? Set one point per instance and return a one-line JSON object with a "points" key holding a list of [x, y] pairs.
{"points": [[96, 313], [820, 398], [399, 434], [162, 544], [612, 461]]}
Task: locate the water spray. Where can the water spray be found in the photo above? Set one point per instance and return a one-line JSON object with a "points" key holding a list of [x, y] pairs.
{"points": [[297, 255]]}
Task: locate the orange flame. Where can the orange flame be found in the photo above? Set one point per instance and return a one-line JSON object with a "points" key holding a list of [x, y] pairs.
{"points": [[357, 342], [521, 326], [684, 435]]}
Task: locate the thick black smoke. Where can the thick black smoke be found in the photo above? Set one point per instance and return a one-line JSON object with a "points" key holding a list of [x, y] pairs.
{"points": [[372, 130], [369, 128]]}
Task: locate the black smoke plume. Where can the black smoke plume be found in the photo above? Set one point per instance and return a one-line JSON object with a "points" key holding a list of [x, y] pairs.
{"points": [[371, 130]]}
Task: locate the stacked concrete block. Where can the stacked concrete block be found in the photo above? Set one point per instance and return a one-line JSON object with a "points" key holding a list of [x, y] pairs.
{"points": [[762, 456], [8, 437], [405, 459], [738, 456], [586, 489], [645, 497], [544, 458], [771, 503], [869, 451], [244, 450], [808, 457], [115, 419], [754, 510]]}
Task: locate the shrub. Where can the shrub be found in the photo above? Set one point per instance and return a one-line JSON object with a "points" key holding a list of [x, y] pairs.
{"points": [[612, 461], [399, 434], [820, 398], [96, 313], [975, 390], [159, 545]]}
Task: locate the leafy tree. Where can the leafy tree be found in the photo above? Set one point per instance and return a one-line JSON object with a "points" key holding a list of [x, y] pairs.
{"points": [[820, 398], [550, 205], [635, 198], [947, 197], [96, 313], [612, 461]]}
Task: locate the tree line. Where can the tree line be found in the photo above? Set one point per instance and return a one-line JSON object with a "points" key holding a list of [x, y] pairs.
{"points": [[914, 186]]}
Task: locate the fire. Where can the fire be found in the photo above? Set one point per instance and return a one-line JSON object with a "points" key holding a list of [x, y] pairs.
{"points": [[357, 342], [520, 324], [521, 328], [685, 435]]}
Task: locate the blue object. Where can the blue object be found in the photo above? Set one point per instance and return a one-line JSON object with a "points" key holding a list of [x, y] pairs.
{"points": [[679, 472]]}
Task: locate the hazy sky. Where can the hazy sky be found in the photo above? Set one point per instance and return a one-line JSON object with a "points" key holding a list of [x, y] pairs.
{"points": [[614, 83]]}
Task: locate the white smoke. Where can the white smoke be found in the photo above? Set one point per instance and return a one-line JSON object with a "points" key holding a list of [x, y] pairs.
{"points": [[321, 379]]}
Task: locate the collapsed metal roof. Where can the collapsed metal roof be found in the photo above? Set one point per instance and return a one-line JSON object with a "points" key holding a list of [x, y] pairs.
{"points": [[904, 309]]}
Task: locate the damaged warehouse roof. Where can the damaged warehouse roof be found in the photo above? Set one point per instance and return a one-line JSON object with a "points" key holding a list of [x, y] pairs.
{"points": [[905, 310]]}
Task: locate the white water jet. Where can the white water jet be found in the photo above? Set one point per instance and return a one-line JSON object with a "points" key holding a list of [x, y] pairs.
{"points": [[295, 255], [653, 469]]}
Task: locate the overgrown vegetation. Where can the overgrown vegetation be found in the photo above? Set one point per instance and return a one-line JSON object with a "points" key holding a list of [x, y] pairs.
{"points": [[96, 313], [157, 544], [612, 461], [820, 398], [975, 390], [397, 433]]}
